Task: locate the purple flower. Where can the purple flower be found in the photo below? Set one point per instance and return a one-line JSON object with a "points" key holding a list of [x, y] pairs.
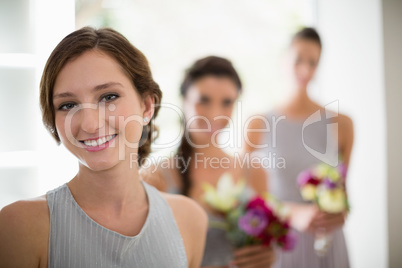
{"points": [[290, 241], [253, 222], [329, 184], [343, 169]]}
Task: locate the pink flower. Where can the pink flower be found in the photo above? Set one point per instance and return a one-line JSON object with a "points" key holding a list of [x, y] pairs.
{"points": [[253, 222], [342, 169], [289, 241], [259, 204], [307, 177]]}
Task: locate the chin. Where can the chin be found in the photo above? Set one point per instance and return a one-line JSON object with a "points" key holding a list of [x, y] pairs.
{"points": [[98, 165], [300, 85]]}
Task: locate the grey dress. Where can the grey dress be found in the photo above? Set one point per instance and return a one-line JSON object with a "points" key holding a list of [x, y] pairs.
{"points": [[288, 153], [78, 241]]}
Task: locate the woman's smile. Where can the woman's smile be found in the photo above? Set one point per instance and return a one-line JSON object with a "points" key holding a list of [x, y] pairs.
{"points": [[98, 144]]}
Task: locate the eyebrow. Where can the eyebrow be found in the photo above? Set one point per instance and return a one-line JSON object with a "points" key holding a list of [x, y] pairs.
{"points": [[97, 88], [227, 100]]}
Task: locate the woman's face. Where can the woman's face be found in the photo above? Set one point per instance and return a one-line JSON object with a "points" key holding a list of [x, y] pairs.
{"points": [[208, 106], [98, 112], [304, 56]]}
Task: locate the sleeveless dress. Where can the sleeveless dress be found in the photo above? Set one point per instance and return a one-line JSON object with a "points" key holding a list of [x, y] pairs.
{"points": [[77, 241], [289, 152], [218, 249]]}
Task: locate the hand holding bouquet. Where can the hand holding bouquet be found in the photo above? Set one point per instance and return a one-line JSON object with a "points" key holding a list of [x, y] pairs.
{"points": [[249, 220], [324, 185]]}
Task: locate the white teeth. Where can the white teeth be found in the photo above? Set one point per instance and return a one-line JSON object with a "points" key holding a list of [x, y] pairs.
{"points": [[99, 141], [88, 143]]}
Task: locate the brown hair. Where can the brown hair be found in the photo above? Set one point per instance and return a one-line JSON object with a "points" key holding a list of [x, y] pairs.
{"points": [[307, 33], [215, 66], [109, 41]]}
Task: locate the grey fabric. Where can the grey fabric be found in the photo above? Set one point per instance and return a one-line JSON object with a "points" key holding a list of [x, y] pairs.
{"points": [[282, 182], [78, 241], [218, 249]]}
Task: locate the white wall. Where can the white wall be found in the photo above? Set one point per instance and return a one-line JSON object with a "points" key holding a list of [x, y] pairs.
{"points": [[30, 29], [392, 32], [18, 102], [352, 71], [54, 20]]}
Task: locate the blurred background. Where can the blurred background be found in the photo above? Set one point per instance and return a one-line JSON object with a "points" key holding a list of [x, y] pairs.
{"points": [[360, 68]]}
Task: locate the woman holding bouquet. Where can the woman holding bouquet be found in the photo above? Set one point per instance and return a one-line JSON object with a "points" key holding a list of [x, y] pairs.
{"points": [[97, 98], [303, 143], [210, 89]]}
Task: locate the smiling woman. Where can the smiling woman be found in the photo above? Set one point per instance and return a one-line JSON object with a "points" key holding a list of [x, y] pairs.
{"points": [[98, 99]]}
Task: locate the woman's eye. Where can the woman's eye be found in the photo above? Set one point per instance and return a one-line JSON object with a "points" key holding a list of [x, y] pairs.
{"points": [[204, 100], [67, 106], [109, 97], [227, 103]]}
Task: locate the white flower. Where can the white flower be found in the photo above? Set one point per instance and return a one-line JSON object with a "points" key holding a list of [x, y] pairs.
{"points": [[308, 192], [226, 194], [332, 201]]}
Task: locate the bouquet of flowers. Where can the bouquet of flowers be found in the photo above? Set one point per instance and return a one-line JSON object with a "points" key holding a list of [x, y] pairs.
{"points": [[249, 220], [324, 185]]}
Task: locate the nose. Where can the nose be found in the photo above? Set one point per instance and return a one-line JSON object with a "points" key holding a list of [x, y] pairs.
{"points": [[304, 70], [217, 115], [91, 119], [212, 112]]}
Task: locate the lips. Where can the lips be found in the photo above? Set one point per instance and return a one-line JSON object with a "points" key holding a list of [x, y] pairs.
{"points": [[98, 143]]}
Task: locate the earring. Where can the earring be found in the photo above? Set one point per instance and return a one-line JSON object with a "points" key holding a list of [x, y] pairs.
{"points": [[146, 119]]}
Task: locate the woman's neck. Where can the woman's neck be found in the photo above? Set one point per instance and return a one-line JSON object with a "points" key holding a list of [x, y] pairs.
{"points": [[298, 103], [115, 188], [299, 97]]}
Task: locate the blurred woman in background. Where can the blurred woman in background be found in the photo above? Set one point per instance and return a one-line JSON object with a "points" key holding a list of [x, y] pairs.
{"points": [[210, 89], [288, 140]]}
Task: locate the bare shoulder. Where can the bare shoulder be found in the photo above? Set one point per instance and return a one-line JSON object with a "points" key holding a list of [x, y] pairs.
{"points": [[345, 124], [192, 222], [20, 213], [24, 233], [345, 121], [183, 206], [345, 131], [258, 121], [346, 136]]}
